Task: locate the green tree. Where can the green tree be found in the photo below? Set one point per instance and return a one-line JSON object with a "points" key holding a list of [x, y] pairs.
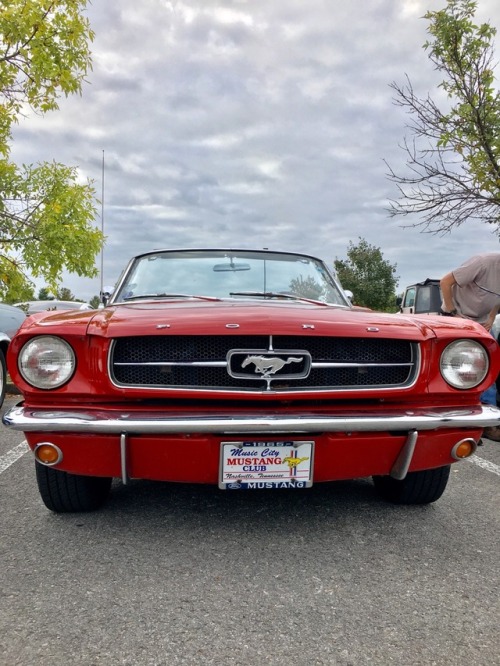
{"points": [[454, 154], [94, 302], [65, 294], [370, 277], [46, 213], [307, 288], [44, 294]]}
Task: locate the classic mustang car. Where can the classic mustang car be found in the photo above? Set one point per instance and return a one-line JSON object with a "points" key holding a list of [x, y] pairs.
{"points": [[247, 370]]}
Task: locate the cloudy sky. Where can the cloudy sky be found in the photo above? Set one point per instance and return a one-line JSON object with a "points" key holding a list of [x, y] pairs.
{"points": [[250, 123]]}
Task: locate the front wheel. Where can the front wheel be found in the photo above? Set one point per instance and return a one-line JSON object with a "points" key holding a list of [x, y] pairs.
{"points": [[416, 488], [63, 492]]}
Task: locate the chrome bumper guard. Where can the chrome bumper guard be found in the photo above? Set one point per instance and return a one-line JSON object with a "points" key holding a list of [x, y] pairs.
{"points": [[113, 422]]}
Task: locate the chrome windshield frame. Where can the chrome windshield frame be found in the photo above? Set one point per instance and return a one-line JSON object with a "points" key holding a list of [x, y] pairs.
{"points": [[117, 297]]}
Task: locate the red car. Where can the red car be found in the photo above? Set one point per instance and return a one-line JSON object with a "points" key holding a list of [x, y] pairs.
{"points": [[250, 370]]}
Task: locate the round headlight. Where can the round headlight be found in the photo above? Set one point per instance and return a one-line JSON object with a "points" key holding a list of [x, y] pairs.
{"points": [[46, 362], [464, 364]]}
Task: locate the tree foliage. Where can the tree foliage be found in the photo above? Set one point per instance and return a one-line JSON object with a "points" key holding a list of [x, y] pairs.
{"points": [[46, 212], [370, 277], [306, 288], [44, 294], [65, 294], [453, 158]]}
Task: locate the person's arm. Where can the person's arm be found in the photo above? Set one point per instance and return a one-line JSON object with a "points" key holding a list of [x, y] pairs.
{"points": [[446, 284], [491, 318]]}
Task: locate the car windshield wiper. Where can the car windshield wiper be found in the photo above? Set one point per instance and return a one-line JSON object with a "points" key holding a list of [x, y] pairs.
{"points": [[161, 295], [276, 294]]}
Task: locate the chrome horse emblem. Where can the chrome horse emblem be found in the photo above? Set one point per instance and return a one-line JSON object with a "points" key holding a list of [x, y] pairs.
{"points": [[267, 366]]}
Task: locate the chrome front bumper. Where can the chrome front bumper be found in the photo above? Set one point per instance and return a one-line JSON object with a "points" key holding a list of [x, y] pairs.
{"points": [[114, 422]]}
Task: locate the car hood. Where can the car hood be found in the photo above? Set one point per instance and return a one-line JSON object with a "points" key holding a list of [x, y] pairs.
{"points": [[253, 318]]}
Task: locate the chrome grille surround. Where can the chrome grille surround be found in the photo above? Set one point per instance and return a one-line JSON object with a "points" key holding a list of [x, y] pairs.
{"points": [[200, 363]]}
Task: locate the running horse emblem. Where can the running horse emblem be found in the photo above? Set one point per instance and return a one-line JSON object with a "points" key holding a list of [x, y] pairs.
{"points": [[294, 462], [266, 365]]}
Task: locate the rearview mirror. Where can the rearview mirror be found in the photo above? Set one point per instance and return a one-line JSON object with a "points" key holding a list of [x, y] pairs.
{"points": [[219, 268]]}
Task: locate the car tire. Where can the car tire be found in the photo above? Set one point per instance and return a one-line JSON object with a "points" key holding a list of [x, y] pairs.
{"points": [[3, 377], [63, 492], [416, 488]]}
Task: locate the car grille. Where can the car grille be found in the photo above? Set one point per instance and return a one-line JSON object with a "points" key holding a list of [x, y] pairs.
{"points": [[200, 362]]}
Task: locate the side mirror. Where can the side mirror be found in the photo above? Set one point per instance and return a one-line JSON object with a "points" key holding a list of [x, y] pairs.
{"points": [[106, 295]]}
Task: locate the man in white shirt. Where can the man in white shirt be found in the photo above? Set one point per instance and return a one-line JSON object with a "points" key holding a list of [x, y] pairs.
{"points": [[473, 289]]}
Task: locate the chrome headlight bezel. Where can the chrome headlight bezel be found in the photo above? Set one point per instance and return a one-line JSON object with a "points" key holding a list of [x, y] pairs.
{"points": [[47, 362], [464, 364]]}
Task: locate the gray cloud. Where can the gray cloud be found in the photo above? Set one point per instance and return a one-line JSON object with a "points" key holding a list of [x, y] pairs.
{"points": [[249, 123]]}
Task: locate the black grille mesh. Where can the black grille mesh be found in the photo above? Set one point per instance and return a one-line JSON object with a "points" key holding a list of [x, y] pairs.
{"points": [[390, 363]]}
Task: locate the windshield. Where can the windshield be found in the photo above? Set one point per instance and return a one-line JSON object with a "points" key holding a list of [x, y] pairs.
{"points": [[228, 274]]}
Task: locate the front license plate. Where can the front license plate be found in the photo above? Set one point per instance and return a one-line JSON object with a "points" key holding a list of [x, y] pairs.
{"points": [[251, 465]]}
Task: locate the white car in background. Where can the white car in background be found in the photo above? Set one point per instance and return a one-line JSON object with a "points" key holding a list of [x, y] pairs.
{"points": [[11, 319], [31, 307]]}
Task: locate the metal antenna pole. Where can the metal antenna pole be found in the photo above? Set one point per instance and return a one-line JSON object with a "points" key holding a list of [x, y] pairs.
{"points": [[102, 228]]}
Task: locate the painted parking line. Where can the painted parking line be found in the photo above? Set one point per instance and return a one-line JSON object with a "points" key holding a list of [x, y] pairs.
{"points": [[485, 464], [11, 456]]}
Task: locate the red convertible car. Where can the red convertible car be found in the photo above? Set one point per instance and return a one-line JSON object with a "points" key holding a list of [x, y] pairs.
{"points": [[247, 370]]}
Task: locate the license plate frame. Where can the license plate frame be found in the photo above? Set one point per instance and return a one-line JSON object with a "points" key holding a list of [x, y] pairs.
{"points": [[255, 465]]}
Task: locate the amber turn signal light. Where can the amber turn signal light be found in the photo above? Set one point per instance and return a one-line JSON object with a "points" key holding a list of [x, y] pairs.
{"points": [[464, 448], [47, 453]]}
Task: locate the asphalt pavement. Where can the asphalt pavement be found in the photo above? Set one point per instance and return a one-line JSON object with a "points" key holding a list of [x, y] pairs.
{"points": [[186, 575]]}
